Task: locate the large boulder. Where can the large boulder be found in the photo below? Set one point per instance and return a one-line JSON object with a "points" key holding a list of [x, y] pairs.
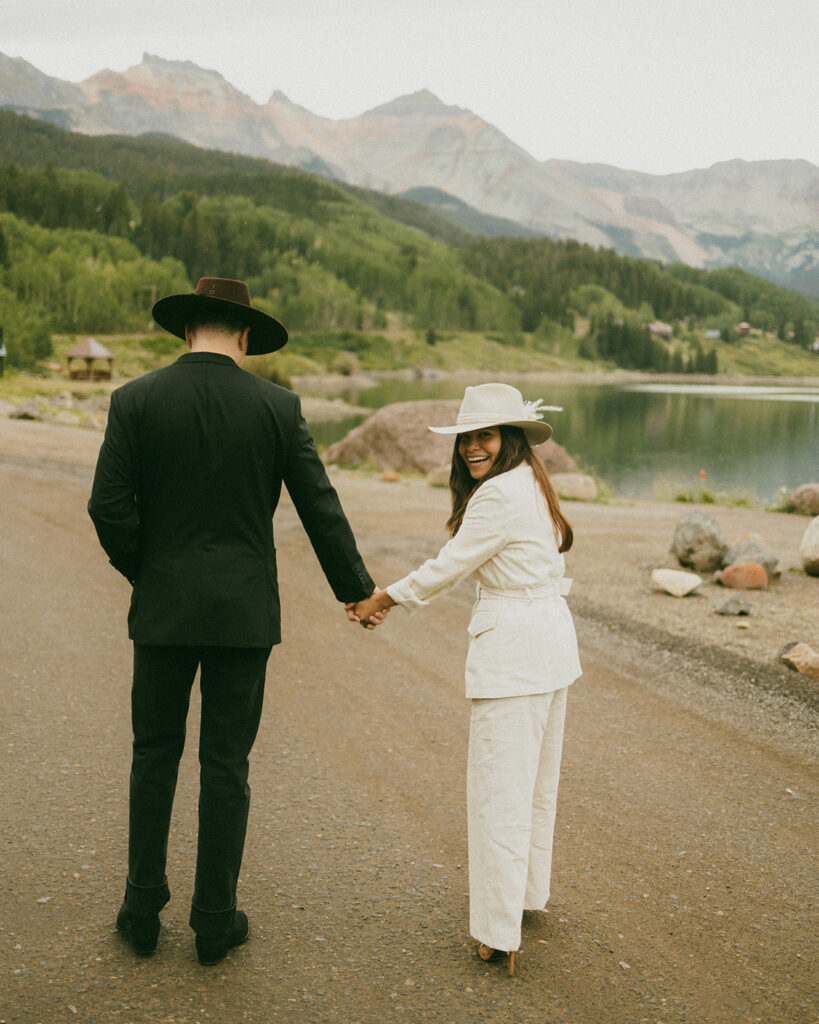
{"points": [[398, 437], [805, 499], [575, 486], [751, 549], [557, 459], [698, 542], [809, 548]]}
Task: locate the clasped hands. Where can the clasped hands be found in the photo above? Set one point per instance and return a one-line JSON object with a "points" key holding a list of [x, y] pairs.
{"points": [[372, 611]]}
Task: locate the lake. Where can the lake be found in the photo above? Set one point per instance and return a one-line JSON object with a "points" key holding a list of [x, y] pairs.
{"points": [[648, 440]]}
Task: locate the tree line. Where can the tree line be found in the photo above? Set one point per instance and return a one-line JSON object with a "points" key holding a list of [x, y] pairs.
{"points": [[632, 346], [86, 249]]}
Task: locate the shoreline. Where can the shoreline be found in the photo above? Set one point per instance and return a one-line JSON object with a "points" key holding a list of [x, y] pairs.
{"points": [[15, 381], [371, 378]]}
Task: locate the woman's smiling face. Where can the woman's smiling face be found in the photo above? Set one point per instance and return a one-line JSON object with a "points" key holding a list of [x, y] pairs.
{"points": [[479, 449]]}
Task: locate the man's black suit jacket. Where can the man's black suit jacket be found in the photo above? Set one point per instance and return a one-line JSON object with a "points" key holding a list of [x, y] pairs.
{"points": [[187, 481]]}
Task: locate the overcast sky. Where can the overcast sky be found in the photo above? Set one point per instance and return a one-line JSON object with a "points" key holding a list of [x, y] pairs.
{"points": [[651, 85]]}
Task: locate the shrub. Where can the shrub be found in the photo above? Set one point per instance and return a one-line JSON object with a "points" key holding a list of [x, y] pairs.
{"points": [[26, 333], [345, 363]]}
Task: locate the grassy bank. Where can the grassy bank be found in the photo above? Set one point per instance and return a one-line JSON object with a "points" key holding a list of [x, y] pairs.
{"points": [[346, 352]]}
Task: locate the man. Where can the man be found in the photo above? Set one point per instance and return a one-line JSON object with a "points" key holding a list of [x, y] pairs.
{"points": [[187, 481]]}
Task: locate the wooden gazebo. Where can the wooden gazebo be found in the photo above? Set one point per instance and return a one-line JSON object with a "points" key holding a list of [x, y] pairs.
{"points": [[89, 351]]}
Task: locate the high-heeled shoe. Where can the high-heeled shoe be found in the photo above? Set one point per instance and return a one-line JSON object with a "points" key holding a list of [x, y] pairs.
{"points": [[487, 953]]}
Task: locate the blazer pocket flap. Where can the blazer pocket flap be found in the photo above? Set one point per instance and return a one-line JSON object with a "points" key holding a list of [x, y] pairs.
{"points": [[481, 622]]}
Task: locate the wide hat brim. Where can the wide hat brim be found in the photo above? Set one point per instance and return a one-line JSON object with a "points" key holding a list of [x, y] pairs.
{"points": [[536, 431], [175, 311]]}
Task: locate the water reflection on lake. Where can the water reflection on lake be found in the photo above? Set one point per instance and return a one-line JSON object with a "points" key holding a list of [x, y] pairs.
{"points": [[646, 439]]}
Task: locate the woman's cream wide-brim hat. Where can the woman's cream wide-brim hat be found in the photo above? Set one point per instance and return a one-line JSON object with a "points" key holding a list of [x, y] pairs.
{"points": [[497, 405]]}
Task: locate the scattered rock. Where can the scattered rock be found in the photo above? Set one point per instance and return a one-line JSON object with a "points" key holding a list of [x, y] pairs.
{"points": [[736, 604], [751, 549], [575, 486], [439, 477], [809, 548], [94, 403], [390, 476], [805, 499], [698, 542], [802, 658], [63, 416], [62, 400], [675, 582], [397, 437], [744, 576], [26, 411], [329, 409]]}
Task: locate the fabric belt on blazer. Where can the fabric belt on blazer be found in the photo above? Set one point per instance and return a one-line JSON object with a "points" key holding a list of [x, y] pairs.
{"points": [[540, 591]]}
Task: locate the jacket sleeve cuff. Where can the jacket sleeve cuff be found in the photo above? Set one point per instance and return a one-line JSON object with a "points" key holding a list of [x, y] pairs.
{"points": [[403, 594]]}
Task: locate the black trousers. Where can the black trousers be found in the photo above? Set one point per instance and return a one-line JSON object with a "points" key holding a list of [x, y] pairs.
{"points": [[232, 686]]}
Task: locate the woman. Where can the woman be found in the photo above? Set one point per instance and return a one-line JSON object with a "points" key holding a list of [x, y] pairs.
{"points": [[508, 532]]}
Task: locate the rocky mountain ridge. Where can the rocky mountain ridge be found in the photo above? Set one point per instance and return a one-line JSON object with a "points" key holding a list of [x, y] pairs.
{"points": [[763, 215]]}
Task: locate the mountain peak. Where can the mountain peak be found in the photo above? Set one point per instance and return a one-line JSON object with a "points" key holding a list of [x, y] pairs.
{"points": [[282, 101], [417, 104], [168, 85], [158, 69], [155, 63]]}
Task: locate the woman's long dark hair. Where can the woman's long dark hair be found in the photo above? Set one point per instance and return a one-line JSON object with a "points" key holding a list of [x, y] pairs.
{"points": [[514, 450]]}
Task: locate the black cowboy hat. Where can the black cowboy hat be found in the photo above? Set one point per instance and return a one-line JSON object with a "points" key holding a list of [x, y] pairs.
{"points": [[217, 295]]}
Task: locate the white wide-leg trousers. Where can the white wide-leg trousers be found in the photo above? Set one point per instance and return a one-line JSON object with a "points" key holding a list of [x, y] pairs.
{"points": [[512, 775]]}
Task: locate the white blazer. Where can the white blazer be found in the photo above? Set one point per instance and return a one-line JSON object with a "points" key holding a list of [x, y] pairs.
{"points": [[522, 637]]}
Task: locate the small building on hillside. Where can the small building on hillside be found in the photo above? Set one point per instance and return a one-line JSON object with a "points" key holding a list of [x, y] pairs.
{"points": [[711, 335], [661, 330], [743, 329], [89, 351]]}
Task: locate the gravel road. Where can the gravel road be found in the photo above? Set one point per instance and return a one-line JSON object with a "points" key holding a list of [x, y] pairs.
{"points": [[684, 876]]}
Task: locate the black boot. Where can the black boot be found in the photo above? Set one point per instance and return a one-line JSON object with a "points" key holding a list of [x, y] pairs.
{"points": [[212, 949], [141, 932]]}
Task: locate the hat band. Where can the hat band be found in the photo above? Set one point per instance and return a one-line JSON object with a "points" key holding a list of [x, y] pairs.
{"points": [[466, 418]]}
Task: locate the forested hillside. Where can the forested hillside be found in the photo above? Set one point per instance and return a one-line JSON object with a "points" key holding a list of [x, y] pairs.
{"points": [[93, 230]]}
